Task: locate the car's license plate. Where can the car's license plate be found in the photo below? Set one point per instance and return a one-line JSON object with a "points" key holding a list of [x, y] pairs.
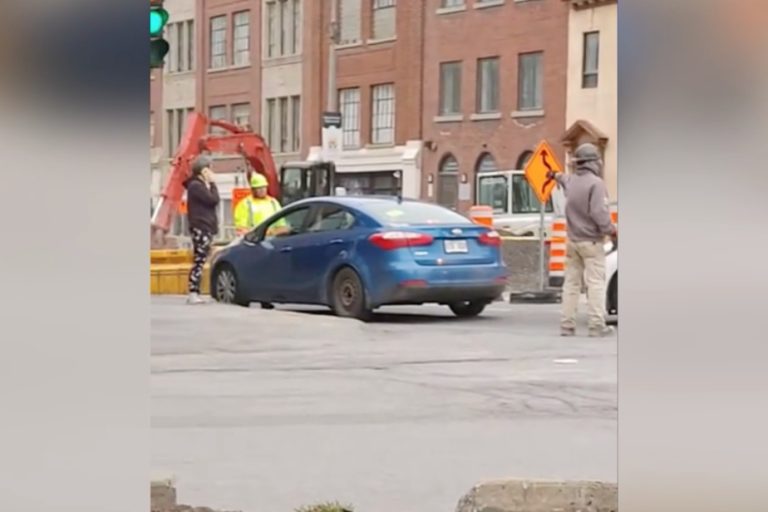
{"points": [[454, 246]]}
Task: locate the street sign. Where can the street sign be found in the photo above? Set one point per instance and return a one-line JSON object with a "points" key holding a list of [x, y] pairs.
{"points": [[331, 119], [542, 161], [331, 136]]}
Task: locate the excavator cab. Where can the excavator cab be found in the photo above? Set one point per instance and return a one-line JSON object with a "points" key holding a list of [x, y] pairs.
{"points": [[300, 180]]}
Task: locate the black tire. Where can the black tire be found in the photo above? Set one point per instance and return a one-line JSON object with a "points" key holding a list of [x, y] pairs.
{"points": [[468, 309], [612, 300], [348, 295], [225, 287]]}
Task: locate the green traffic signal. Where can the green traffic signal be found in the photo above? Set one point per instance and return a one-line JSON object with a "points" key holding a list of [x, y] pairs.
{"points": [[158, 49], [158, 17]]}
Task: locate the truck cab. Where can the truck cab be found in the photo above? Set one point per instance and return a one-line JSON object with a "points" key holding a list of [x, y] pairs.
{"points": [[515, 206], [300, 180]]}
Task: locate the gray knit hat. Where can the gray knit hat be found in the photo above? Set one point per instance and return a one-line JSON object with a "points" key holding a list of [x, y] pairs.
{"points": [[200, 163]]}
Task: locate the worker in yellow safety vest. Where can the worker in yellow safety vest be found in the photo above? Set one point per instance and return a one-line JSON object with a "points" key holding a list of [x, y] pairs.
{"points": [[257, 208]]}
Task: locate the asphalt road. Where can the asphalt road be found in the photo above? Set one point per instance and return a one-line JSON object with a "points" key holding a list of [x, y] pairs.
{"points": [[265, 411]]}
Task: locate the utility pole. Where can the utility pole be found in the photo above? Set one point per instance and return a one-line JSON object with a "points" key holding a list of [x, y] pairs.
{"points": [[333, 32]]}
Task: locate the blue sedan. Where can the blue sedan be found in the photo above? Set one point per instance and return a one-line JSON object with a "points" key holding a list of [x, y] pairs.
{"points": [[356, 254]]}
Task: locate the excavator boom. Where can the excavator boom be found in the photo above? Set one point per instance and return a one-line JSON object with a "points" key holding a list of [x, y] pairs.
{"points": [[197, 141]]}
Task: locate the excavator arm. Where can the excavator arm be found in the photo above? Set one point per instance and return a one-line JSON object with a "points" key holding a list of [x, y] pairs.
{"points": [[197, 141]]}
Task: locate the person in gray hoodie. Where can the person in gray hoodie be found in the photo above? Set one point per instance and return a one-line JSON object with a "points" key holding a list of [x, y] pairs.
{"points": [[588, 220]]}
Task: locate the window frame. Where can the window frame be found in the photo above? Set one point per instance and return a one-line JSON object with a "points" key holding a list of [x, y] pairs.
{"points": [[457, 67], [588, 74], [538, 81], [244, 14], [350, 133], [383, 121], [494, 95], [213, 63]]}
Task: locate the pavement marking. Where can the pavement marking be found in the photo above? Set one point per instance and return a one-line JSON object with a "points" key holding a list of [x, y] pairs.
{"points": [[566, 361]]}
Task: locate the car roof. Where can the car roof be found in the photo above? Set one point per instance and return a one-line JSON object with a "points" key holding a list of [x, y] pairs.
{"points": [[355, 201]]}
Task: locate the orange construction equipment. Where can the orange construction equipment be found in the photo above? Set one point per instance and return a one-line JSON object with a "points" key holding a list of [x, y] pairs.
{"points": [[482, 215]]}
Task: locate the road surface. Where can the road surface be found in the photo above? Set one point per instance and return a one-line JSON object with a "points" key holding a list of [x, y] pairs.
{"points": [[265, 411]]}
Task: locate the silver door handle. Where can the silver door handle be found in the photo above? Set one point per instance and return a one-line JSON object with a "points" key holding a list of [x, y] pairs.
{"points": [[336, 241]]}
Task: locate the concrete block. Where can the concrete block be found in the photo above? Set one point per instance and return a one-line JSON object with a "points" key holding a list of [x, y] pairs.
{"points": [[540, 496], [162, 496], [522, 257]]}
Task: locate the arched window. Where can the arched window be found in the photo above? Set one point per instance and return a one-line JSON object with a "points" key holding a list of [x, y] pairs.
{"points": [[486, 163], [448, 182], [523, 159]]}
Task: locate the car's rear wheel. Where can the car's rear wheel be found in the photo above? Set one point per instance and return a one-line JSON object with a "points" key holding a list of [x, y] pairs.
{"points": [[467, 309], [348, 295], [226, 288]]}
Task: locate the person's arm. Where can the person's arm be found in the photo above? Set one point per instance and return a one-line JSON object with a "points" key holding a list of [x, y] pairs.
{"points": [[598, 209], [560, 177], [197, 191], [240, 216]]}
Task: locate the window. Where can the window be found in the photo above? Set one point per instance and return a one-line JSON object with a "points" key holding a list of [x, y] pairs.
{"points": [[380, 183], [522, 160], [218, 112], [182, 42], [295, 123], [241, 43], [391, 213], [296, 29], [488, 85], [383, 19], [293, 220], [283, 28], [486, 163], [272, 29], [349, 21], [450, 88], [523, 198], [529, 88], [492, 191], [218, 42], [383, 118], [448, 182], [591, 60], [332, 218], [176, 121], [241, 114], [349, 106], [283, 124], [452, 3]]}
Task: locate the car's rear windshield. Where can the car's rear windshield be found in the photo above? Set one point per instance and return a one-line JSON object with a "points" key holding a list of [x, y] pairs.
{"points": [[408, 213]]}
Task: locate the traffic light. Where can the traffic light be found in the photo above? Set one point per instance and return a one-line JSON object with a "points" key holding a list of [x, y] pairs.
{"points": [[158, 47]]}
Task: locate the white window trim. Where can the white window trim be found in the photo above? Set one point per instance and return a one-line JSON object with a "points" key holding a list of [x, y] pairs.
{"points": [[484, 4]]}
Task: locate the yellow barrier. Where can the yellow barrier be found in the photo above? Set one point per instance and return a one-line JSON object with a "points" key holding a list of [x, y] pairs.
{"points": [[170, 256], [172, 279]]}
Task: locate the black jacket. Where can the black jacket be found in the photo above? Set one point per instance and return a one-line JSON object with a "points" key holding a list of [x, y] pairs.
{"points": [[202, 204]]}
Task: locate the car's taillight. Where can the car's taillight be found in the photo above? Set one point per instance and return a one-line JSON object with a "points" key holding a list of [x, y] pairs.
{"points": [[491, 238], [389, 240]]}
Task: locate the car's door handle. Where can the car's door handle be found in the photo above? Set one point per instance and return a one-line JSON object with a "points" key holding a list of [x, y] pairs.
{"points": [[337, 241], [286, 249]]}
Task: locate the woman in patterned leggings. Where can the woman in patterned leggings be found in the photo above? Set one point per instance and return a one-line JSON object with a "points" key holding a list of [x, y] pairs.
{"points": [[202, 203]]}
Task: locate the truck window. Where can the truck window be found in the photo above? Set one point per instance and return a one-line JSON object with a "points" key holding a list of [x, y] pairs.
{"points": [[493, 191]]}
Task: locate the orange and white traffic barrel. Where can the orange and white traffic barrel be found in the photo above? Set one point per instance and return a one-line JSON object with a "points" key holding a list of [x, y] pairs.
{"points": [[481, 215], [557, 242]]}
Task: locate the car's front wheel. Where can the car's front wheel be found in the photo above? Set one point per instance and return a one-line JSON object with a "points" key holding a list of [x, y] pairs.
{"points": [[348, 295], [468, 309], [226, 288]]}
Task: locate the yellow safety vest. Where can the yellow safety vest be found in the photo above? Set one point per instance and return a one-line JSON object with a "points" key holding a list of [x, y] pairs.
{"points": [[251, 212]]}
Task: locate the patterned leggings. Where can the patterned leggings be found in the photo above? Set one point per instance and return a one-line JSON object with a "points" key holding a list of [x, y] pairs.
{"points": [[201, 244]]}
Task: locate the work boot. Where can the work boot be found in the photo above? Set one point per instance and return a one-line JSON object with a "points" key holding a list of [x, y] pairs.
{"points": [[194, 298], [567, 331], [267, 305], [602, 332]]}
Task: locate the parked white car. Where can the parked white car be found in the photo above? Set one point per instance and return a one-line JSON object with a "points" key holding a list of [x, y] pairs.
{"points": [[612, 283]]}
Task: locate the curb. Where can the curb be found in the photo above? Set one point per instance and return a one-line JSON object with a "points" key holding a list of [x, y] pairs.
{"points": [[540, 496], [539, 297]]}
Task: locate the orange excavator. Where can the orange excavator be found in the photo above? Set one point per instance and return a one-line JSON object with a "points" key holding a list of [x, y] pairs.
{"points": [[293, 182]]}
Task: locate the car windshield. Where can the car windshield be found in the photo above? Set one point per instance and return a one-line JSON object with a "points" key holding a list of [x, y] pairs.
{"points": [[407, 213]]}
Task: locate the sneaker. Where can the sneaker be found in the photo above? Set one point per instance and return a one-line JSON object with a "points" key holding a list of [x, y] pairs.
{"points": [[567, 331], [194, 298], [602, 332]]}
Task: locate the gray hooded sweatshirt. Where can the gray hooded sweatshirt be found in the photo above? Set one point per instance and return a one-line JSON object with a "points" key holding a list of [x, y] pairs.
{"points": [[586, 210]]}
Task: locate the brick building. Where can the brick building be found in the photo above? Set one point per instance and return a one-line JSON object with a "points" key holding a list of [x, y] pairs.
{"points": [[379, 67], [494, 86]]}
